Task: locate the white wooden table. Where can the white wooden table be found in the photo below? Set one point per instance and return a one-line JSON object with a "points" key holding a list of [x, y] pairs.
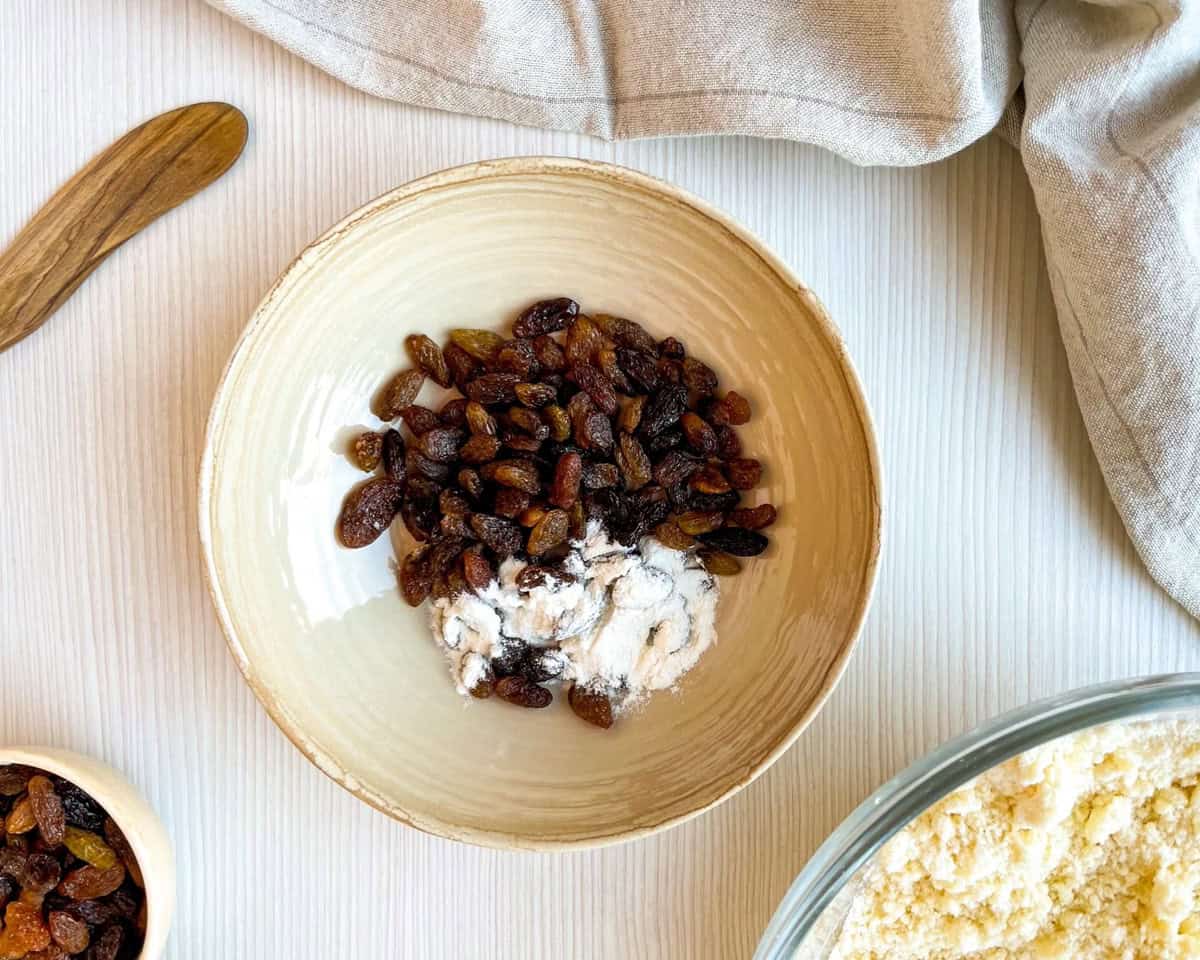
{"points": [[1006, 573]]}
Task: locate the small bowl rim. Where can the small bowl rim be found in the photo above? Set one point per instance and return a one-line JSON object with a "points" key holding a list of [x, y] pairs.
{"points": [[451, 178], [160, 904]]}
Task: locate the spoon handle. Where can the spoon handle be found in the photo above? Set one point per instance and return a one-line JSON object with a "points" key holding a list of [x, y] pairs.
{"points": [[150, 170]]}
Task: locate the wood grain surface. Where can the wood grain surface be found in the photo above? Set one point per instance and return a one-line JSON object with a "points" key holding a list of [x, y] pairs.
{"points": [[1006, 574]]}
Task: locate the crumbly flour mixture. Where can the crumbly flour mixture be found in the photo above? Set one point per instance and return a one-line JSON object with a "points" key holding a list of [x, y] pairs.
{"points": [[632, 621], [1086, 848]]}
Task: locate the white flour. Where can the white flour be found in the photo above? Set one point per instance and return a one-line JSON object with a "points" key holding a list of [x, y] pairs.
{"points": [[633, 620]]}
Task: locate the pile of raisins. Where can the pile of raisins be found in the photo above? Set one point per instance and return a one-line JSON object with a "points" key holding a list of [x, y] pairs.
{"points": [[69, 882], [548, 432]]}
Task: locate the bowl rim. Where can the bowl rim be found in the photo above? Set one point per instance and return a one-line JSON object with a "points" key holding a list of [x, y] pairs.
{"points": [[450, 179], [912, 791]]}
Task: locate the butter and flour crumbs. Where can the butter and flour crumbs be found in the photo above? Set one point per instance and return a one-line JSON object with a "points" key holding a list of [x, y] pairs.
{"points": [[1085, 848]]}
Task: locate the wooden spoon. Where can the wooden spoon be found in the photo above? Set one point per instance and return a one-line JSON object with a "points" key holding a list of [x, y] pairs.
{"points": [[150, 170]]}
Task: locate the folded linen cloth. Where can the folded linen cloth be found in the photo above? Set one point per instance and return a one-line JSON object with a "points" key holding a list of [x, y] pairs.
{"points": [[1103, 98]]}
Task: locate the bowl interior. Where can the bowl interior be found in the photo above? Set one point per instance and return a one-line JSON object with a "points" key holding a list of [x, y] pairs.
{"points": [[321, 632]]}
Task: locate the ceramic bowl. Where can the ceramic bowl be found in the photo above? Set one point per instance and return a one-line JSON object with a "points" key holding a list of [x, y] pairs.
{"points": [[321, 633], [140, 824]]}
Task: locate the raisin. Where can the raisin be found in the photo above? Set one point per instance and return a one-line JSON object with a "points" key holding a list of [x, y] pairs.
{"points": [[669, 371], [528, 579], [368, 511], [8, 890], [471, 483], [597, 386], [482, 345], [428, 357], [68, 932], [675, 467], [710, 479], [520, 474], [599, 475], [535, 394], [732, 409], [521, 442], [753, 518], [116, 840], [517, 356], [699, 377], [625, 333], [531, 515], [669, 534], [550, 355], [528, 420], [510, 503], [367, 450], [568, 473], [449, 585], [456, 527], [700, 435], [663, 410], [548, 532], [13, 779], [522, 692], [419, 468], [91, 883], [633, 462], [503, 536], [443, 553], [670, 439], [482, 690], [699, 521], [558, 421], [416, 578], [107, 945], [419, 419], [671, 348], [736, 541], [463, 367], [631, 414], [420, 517], [493, 388], [454, 412], [441, 443], [42, 874], [21, 818], [12, 863], [743, 474], [718, 563], [597, 432], [453, 503], [393, 454], [606, 360], [479, 449], [641, 368], [591, 705], [546, 316], [578, 521], [477, 569], [24, 932], [722, 502], [729, 445], [584, 338], [400, 392]]}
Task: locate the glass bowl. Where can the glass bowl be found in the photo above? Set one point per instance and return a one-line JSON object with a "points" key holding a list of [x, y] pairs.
{"points": [[808, 920]]}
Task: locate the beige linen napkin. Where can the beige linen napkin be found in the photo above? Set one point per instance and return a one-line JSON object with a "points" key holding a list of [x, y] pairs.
{"points": [[1110, 136]]}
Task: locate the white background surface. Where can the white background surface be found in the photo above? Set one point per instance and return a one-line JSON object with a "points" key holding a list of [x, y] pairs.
{"points": [[1006, 573]]}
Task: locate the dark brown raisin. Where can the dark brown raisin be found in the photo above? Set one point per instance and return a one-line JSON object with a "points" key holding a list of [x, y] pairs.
{"points": [[463, 367], [503, 536], [428, 357], [698, 377], [550, 355], [590, 705], [743, 474], [367, 450], [546, 316], [491, 389], [732, 409], [47, 809], [568, 473], [736, 541], [536, 394], [517, 356], [669, 534], [483, 345], [107, 945], [418, 466], [718, 563], [548, 532], [663, 410], [538, 666], [606, 360], [416, 577], [729, 445], [625, 333], [368, 511], [723, 502], [393, 455], [521, 442], [633, 462], [453, 503], [753, 518], [13, 779], [68, 932], [454, 412], [597, 386], [669, 371], [519, 474], [479, 449], [641, 368], [420, 518], [471, 483], [584, 338], [675, 467], [671, 348], [670, 439], [529, 579], [441, 443], [596, 476], [454, 526], [525, 419], [80, 809], [91, 883], [419, 419], [400, 392], [631, 414], [558, 422], [597, 433], [522, 692], [695, 522], [42, 874], [700, 435], [510, 503]]}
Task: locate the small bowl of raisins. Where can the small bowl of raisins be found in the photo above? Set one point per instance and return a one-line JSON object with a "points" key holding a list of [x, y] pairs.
{"points": [[86, 867], [536, 344]]}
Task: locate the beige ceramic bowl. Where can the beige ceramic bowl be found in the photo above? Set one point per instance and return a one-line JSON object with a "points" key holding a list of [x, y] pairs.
{"points": [[350, 673], [140, 824]]}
